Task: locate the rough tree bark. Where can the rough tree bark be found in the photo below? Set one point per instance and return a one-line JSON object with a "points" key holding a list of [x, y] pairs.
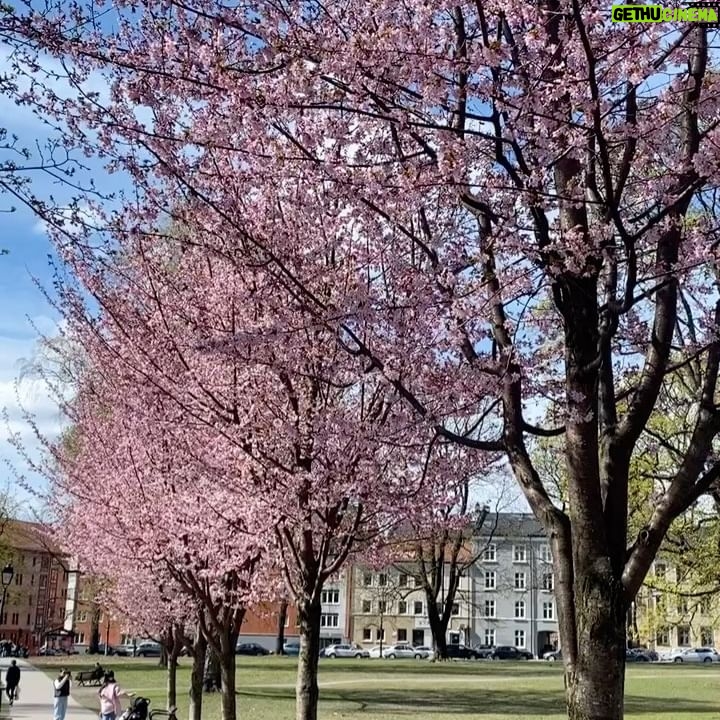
{"points": [[282, 618], [199, 652], [307, 692]]}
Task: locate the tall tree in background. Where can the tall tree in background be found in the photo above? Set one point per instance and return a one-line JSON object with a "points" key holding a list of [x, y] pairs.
{"points": [[518, 192]]}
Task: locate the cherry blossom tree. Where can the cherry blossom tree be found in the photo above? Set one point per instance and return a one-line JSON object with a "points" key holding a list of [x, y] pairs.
{"points": [[493, 210]]}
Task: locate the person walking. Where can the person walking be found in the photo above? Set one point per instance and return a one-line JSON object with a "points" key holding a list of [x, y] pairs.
{"points": [[110, 694], [62, 693], [12, 681]]}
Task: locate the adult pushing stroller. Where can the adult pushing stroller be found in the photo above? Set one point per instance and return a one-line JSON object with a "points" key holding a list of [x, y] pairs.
{"points": [[138, 709]]}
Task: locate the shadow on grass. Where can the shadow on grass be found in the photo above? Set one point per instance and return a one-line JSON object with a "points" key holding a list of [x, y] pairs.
{"points": [[513, 703]]}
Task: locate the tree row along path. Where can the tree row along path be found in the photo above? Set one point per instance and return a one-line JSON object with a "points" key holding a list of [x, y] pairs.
{"points": [[36, 697]]}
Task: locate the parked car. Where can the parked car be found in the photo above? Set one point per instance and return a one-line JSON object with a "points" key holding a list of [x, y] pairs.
{"points": [[425, 652], [148, 649], [79, 649], [401, 650], [484, 651], [462, 652], [508, 652], [250, 648], [375, 652], [697, 655], [101, 650], [346, 651], [48, 651], [553, 655], [292, 648], [126, 650], [636, 655]]}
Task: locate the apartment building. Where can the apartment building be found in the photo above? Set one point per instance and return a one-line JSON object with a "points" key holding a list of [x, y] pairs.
{"points": [[35, 603], [388, 606], [512, 596], [671, 612]]}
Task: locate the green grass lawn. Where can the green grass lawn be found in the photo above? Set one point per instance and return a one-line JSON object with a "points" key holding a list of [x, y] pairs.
{"points": [[403, 689]]}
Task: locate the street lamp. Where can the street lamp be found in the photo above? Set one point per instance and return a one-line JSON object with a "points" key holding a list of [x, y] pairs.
{"points": [[7, 575]]}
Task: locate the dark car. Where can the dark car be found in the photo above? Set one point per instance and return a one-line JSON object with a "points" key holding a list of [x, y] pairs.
{"points": [[508, 652], [250, 648], [292, 648], [484, 651], [461, 652], [636, 655], [101, 650]]}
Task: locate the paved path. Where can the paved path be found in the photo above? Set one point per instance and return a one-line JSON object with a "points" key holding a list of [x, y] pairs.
{"points": [[36, 697]]}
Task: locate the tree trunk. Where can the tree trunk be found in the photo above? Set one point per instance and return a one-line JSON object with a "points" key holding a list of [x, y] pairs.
{"points": [[306, 691], [172, 680], [94, 631], [438, 628], [280, 641], [212, 677], [164, 658], [227, 674], [595, 685], [196, 676]]}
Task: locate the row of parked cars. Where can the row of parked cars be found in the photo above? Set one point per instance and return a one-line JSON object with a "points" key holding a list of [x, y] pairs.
{"points": [[146, 648], [703, 655], [397, 651]]}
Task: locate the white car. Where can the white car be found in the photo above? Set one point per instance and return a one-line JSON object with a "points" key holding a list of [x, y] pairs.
{"points": [[697, 655], [346, 651], [425, 652], [375, 652], [401, 650]]}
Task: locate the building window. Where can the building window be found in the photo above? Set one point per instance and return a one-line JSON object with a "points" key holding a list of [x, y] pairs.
{"points": [[367, 579], [380, 635], [682, 605], [490, 636], [455, 609], [402, 607], [545, 554], [382, 606], [82, 616], [520, 609], [489, 608], [402, 580], [402, 635], [490, 553], [707, 637], [330, 620], [520, 581], [519, 554], [18, 579], [659, 603], [520, 638], [662, 637], [548, 582], [80, 638], [548, 610], [367, 634], [490, 580], [418, 607], [15, 619], [28, 620], [367, 606], [382, 579], [330, 597], [683, 634], [704, 606], [660, 570]]}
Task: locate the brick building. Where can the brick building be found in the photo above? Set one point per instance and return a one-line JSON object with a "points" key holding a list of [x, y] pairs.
{"points": [[35, 605]]}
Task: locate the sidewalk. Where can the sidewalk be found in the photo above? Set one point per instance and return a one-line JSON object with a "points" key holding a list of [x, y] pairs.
{"points": [[36, 697]]}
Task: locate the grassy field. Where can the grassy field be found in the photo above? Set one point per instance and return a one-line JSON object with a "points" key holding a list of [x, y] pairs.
{"points": [[387, 690]]}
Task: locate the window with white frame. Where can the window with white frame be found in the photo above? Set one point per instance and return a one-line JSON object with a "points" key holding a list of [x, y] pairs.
{"points": [[417, 607], [520, 581], [367, 606], [548, 610], [402, 580], [380, 635], [545, 554], [683, 635], [489, 608], [548, 582], [330, 620], [520, 638], [519, 553], [520, 609], [382, 606], [330, 597], [455, 610], [402, 607], [489, 636], [662, 636], [382, 579], [367, 634], [490, 579], [707, 636], [367, 579], [490, 553]]}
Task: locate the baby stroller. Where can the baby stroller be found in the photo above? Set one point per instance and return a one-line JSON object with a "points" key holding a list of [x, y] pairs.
{"points": [[138, 709]]}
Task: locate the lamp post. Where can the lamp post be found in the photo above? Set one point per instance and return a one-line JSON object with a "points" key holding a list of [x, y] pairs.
{"points": [[6, 577]]}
